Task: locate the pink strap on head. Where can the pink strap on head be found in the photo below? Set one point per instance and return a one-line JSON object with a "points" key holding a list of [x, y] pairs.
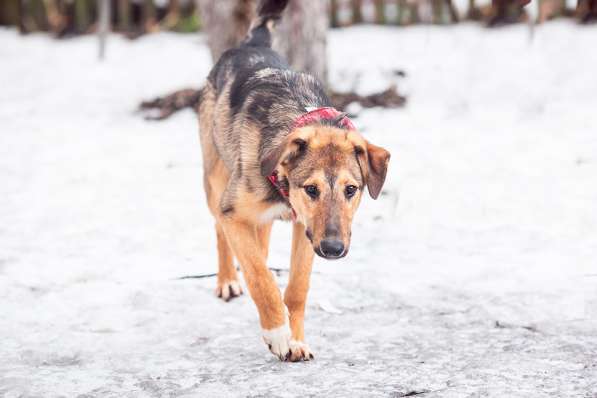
{"points": [[325, 113]]}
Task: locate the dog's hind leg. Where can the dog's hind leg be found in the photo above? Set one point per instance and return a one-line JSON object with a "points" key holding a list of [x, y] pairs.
{"points": [[215, 180], [295, 295], [228, 284]]}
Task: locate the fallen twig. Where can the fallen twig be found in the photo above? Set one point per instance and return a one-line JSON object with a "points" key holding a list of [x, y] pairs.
{"points": [[502, 325], [171, 103], [389, 98], [278, 271], [161, 108]]}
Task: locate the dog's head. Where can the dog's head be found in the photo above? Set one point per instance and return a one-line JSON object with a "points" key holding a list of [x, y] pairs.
{"points": [[327, 170]]}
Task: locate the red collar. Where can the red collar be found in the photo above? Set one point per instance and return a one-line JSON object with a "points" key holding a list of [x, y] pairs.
{"points": [[273, 178], [324, 113], [312, 116]]}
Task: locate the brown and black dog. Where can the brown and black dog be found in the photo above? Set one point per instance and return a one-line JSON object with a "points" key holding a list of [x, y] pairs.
{"points": [[274, 148]]}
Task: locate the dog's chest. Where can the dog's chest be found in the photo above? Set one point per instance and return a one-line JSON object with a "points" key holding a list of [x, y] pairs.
{"points": [[278, 211]]}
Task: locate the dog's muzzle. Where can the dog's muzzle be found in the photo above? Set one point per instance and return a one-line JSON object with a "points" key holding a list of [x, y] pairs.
{"points": [[331, 249]]}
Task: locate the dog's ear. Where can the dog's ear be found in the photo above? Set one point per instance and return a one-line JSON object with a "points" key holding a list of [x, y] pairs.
{"points": [[373, 161], [291, 148]]}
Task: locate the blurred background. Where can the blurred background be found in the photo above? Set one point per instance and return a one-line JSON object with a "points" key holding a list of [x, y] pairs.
{"points": [[472, 275], [136, 17]]}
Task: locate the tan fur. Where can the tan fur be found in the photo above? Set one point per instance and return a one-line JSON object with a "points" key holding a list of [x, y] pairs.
{"points": [[332, 151], [237, 196], [295, 295]]}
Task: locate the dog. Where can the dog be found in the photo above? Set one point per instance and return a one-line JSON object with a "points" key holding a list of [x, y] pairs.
{"points": [[274, 148]]}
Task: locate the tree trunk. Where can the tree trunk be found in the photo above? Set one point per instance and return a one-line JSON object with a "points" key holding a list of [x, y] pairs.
{"points": [[103, 7], [172, 15], [586, 10], [226, 23], [507, 11], [82, 16], [334, 13], [549, 9], [149, 16], [301, 36], [380, 12], [10, 12], [455, 18], [473, 13], [37, 15], [357, 14], [437, 7], [124, 15], [402, 7]]}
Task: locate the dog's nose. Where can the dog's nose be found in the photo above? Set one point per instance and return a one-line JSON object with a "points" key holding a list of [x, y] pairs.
{"points": [[332, 248]]}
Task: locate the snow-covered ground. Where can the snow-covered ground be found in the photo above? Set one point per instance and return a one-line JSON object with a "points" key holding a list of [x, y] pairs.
{"points": [[475, 274]]}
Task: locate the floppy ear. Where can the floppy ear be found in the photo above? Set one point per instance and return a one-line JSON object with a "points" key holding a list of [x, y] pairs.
{"points": [[374, 166], [378, 167], [291, 147]]}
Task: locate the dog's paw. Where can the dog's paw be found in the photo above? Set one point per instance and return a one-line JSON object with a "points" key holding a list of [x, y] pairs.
{"points": [[228, 290], [278, 341], [299, 351], [281, 344]]}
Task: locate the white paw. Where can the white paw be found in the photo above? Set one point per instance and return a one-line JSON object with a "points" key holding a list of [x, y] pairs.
{"points": [[278, 341], [299, 351], [282, 345], [228, 290]]}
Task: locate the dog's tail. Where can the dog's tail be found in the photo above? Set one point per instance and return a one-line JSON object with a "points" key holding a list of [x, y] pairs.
{"points": [[260, 33]]}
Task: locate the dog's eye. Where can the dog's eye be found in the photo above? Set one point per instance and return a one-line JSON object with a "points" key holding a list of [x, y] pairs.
{"points": [[312, 191], [350, 190]]}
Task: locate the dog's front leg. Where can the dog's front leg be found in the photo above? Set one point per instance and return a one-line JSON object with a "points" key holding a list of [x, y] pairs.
{"points": [[244, 240], [295, 295]]}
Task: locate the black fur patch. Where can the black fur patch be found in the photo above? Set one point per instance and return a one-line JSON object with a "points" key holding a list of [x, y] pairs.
{"points": [[227, 210]]}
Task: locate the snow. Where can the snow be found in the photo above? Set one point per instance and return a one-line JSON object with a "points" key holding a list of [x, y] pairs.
{"points": [[474, 274]]}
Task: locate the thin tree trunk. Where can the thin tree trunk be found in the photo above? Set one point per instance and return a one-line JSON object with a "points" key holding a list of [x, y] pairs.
{"points": [[402, 6], [413, 14], [37, 15], [149, 16], [437, 7], [453, 11], [21, 11], [57, 21], [334, 13], [549, 9], [357, 14], [172, 15], [473, 12], [124, 15], [380, 11], [104, 25], [82, 18]]}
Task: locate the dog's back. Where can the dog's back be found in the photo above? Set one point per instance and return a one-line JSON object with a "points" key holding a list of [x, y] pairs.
{"points": [[257, 95]]}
